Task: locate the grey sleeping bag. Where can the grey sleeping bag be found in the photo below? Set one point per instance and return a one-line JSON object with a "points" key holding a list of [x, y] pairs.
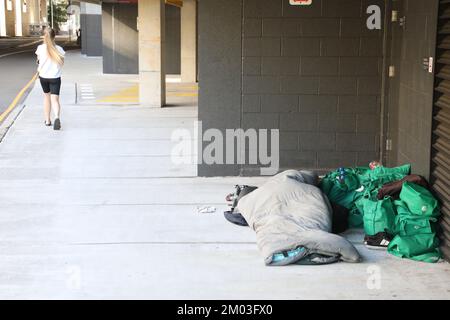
{"points": [[289, 211]]}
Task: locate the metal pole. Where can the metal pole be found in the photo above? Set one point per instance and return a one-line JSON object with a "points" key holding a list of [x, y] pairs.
{"points": [[70, 21], [51, 11]]}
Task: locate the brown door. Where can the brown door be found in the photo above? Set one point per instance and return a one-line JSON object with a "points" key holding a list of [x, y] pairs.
{"points": [[440, 161]]}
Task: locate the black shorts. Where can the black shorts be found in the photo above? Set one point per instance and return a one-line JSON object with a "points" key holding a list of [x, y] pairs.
{"points": [[52, 86]]}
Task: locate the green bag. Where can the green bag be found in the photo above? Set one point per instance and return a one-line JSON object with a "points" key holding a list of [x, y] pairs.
{"points": [[376, 178], [419, 247], [401, 171], [378, 215], [419, 200], [355, 218], [342, 193], [417, 212], [357, 183], [402, 208], [410, 226]]}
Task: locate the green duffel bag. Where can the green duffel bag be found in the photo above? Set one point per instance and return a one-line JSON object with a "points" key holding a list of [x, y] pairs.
{"points": [[419, 200], [395, 172], [342, 193], [402, 208], [378, 215], [419, 247], [409, 225], [332, 180], [379, 176], [355, 218]]}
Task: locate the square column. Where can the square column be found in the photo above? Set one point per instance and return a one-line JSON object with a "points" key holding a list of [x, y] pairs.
{"points": [[44, 11], [18, 32], [152, 75], [2, 18], [33, 11], [189, 41]]}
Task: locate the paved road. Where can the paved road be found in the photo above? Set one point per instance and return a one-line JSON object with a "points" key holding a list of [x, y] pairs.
{"points": [[17, 66], [14, 43]]}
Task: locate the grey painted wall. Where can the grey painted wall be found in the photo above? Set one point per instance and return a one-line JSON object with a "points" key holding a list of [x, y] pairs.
{"points": [[91, 34], [220, 71], [312, 72], [120, 38], [83, 30], [173, 40], [411, 103]]}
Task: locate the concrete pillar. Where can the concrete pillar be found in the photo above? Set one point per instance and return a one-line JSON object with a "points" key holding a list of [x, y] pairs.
{"points": [[152, 76], [18, 15], [10, 18], [33, 11], [37, 11], [91, 29], [189, 41], [25, 18], [44, 12], [2, 18]]}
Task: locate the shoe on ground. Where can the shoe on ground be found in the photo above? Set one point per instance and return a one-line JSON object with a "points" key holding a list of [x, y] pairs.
{"points": [[57, 124], [380, 241], [235, 218]]}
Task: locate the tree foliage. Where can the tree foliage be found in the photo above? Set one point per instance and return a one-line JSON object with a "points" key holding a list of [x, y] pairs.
{"points": [[59, 13]]}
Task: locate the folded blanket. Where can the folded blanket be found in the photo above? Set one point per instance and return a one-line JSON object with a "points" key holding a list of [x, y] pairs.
{"points": [[289, 211]]}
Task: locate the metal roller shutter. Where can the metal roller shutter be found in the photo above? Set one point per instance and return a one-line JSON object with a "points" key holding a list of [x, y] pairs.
{"points": [[440, 175]]}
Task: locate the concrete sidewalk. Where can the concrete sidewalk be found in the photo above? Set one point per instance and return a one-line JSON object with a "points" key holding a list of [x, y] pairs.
{"points": [[98, 210]]}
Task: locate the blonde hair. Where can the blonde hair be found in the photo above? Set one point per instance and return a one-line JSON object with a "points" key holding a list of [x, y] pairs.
{"points": [[49, 41]]}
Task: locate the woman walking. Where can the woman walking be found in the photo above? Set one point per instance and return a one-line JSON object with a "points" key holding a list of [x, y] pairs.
{"points": [[51, 60]]}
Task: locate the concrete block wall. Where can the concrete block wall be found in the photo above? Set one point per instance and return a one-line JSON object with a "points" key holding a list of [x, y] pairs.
{"points": [[220, 71], [411, 103], [313, 72]]}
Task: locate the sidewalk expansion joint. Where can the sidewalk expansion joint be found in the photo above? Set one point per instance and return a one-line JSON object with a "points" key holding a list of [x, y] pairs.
{"points": [[163, 243]]}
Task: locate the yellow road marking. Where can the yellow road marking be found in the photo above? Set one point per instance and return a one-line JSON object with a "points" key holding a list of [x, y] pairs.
{"points": [[131, 94], [188, 87], [119, 101], [17, 99], [182, 94]]}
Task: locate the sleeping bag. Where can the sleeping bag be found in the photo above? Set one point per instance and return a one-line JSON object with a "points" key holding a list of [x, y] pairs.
{"points": [[292, 219]]}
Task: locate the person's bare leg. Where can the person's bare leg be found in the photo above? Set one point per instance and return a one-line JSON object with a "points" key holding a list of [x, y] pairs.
{"points": [[56, 106], [57, 112], [47, 107]]}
